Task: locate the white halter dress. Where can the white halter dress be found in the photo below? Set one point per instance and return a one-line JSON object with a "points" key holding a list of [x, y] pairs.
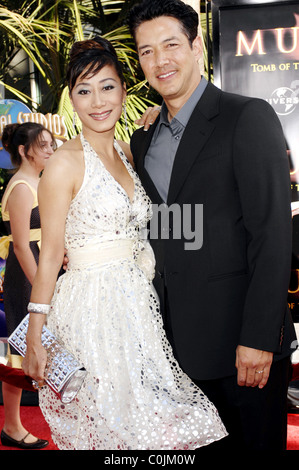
{"points": [[106, 312]]}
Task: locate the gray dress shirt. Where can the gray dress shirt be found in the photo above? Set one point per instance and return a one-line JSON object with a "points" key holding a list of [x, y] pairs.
{"points": [[162, 150]]}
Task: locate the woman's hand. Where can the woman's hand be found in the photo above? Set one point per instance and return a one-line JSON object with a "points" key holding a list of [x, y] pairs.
{"points": [[34, 362], [148, 117]]}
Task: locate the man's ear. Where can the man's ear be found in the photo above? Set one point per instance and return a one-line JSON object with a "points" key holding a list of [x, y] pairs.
{"points": [[197, 47]]}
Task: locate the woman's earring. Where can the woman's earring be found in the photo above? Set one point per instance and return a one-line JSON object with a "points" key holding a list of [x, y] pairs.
{"points": [[125, 116], [74, 121]]}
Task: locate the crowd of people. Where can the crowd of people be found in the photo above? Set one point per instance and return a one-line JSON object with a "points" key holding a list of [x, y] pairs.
{"points": [[184, 349]]}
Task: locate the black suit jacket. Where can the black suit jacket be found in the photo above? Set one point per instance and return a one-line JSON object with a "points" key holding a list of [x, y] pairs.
{"points": [[233, 290]]}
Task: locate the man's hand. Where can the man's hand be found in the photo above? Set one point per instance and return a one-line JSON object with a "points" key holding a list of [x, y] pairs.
{"points": [[253, 366], [65, 260], [148, 117]]}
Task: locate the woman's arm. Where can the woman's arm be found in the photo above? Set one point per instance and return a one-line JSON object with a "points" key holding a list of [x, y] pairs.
{"points": [[55, 194], [19, 205]]}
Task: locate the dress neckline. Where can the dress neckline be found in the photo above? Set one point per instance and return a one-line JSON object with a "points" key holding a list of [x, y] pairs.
{"points": [[124, 161], [10, 189]]}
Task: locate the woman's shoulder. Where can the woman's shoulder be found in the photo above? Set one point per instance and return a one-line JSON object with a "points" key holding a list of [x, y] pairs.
{"points": [[70, 147], [19, 190], [19, 184], [66, 155], [64, 167]]}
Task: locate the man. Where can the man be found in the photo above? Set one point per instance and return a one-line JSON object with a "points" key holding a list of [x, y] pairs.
{"points": [[224, 303]]}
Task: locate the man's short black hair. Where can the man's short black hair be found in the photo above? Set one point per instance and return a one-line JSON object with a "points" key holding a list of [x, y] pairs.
{"points": [[149, 9]]}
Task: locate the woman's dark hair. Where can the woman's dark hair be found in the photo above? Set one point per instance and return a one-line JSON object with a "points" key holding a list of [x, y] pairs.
{"points": [[149, 9], [88, 57], [26, 134]]}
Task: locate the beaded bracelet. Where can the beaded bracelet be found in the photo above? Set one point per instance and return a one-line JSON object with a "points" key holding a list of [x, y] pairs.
{"points": [[38, 308]]}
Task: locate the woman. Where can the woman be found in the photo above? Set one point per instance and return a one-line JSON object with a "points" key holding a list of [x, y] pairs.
{"points": [[104, 308], [30, 146]]}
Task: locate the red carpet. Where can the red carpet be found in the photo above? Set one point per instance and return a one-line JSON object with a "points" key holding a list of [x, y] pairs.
{"points": [[293, 432], [33, 420]]}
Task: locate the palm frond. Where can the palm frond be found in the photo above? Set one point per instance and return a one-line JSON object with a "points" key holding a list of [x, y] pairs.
{"points": [[19, 94], [45, 31]]}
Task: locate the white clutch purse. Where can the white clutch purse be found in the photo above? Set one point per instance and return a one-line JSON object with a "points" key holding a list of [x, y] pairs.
{"points": [[64, 374]]}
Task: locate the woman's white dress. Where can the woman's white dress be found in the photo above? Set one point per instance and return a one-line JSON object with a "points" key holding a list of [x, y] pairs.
{"points": [[106, 312]]}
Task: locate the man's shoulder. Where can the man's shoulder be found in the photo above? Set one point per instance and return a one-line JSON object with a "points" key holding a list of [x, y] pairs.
{"points": [[140, 139], [138, 135], [235, 104], [238, 99]]}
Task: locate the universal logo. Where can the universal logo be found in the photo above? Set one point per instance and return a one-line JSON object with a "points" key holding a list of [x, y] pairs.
{"points": [[285, 99]]}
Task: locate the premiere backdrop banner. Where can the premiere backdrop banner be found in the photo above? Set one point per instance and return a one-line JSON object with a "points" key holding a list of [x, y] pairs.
{"points": [[256, 53]]}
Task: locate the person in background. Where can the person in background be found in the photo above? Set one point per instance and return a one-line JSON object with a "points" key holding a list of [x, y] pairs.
{"points": [[224, 297], [30, 146]]}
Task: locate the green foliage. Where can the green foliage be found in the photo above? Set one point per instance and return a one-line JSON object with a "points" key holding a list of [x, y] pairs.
{"points": [[44, 30]]}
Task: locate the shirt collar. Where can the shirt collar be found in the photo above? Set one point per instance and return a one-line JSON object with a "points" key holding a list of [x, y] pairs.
{"points": [[184, 114]]}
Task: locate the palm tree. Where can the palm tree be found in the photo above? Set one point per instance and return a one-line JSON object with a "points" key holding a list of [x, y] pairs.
{"points": [[44, 31]]}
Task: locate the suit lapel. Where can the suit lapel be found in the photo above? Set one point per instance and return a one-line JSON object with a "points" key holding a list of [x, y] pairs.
{"points": [[196, 134]]}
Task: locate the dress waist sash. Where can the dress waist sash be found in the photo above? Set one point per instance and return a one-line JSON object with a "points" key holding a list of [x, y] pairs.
{"points": [[100, 253]]}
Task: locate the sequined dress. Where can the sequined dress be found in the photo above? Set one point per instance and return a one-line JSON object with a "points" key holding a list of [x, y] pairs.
{"points": [[105, 310]]}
